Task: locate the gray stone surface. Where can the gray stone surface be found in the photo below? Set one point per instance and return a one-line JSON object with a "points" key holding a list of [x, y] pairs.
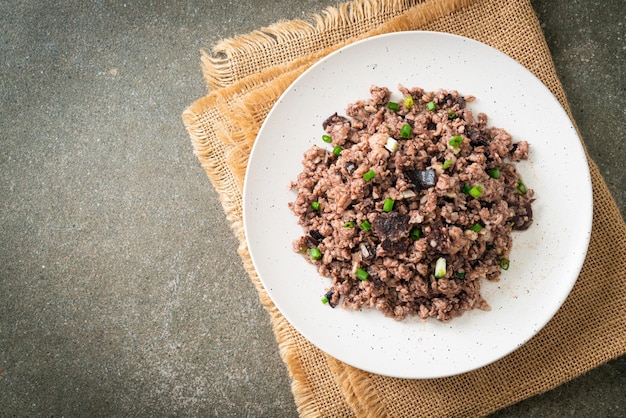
{"points": [[121, 293]]}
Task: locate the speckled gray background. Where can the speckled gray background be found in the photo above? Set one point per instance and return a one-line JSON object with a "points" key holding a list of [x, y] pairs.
{"points": [[121, 293]]}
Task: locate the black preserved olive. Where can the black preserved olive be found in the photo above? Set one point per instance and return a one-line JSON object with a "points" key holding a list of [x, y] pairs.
{"points": [[422, 179]]}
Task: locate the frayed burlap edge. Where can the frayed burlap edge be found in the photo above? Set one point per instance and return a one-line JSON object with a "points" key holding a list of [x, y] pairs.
{"points": [[294, 43], [223, 65]]}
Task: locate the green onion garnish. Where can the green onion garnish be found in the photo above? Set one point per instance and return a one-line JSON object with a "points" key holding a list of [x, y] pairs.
{"points": [[521, 187], [505, 263], [446, 164], [337, 150], [315, 253], [477, 227], [465, 189], [361, 274], [452, 114], [406, 130], [388, 205], [408, 102], [431, 106], [393, 106], [440, 268], [365, 226], [369, 175], [391, 144], [415, 233], [460, 274], [494, 173], [327, 138], [476, 192], [315, 205], [325, 300], [455, 141], [348, 224]]}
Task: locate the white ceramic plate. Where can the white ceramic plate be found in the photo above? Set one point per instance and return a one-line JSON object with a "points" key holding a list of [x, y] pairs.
{"points": [[545, 259]]}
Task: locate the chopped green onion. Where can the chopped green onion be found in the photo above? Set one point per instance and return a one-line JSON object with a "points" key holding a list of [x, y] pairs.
{"points": [[327, 138], [315, 253], [446, 164], [393, 106], [325, 300], [388, 205], [315, 205], [494, 173], [460, 274], [408, 102], [431, 106], [455, 141], [505, 263], [391, 144], [369, 175], [440, 268], [521, 187], [406, 130], [366, 226], [415, 233], [465, 189], [477, 227], [476, 192], [491, 247], [452, 114], [337, 150], [349, 224], [361, 274]]}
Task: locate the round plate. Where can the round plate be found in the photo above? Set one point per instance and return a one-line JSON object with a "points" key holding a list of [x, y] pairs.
{"points": [[545, 260]]}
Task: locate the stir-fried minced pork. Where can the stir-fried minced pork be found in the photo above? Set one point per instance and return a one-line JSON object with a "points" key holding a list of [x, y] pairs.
{"points": [[411, 205]]}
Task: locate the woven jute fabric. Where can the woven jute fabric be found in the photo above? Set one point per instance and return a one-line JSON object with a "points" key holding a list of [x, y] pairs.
{"points": [[245, 75]]}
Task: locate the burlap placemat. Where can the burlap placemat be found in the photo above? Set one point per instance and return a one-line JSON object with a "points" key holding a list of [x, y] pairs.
{"points": [[245, 76]]}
